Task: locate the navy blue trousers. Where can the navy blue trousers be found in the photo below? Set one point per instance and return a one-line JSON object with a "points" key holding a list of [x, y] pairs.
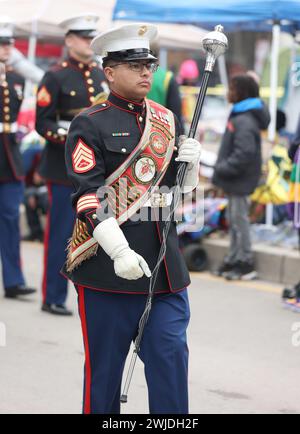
{"points": [[109, 325], [11, 196], [60, 221]]}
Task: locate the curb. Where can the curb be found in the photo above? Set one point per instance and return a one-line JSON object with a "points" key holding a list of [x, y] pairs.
{"points": [[273, 263]]}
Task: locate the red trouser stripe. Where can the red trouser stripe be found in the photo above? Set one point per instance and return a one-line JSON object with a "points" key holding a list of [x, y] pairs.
{"points": [[87, 385], [46, 243]]}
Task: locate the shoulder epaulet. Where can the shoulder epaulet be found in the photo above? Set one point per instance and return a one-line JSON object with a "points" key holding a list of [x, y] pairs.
{"points": [[100, 98], [59, 66], [99, 108]]}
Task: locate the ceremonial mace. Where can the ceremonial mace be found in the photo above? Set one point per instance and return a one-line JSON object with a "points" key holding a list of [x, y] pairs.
{"points": [[215, 44]]}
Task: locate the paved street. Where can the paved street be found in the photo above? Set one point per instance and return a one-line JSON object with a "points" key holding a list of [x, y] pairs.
{"points": [[241, 355]]}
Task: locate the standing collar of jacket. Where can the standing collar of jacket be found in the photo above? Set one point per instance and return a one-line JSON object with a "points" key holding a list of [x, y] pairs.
{"points": [[125, 104]]}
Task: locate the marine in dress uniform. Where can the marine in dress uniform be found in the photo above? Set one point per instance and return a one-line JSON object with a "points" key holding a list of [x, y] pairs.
{"points": [[11, 170], [63, 92], [111, 256]]}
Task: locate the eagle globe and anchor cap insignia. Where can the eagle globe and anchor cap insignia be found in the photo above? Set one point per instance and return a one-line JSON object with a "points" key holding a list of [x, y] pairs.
{"points": [[83, 158], [144, 169], [142, 30]]}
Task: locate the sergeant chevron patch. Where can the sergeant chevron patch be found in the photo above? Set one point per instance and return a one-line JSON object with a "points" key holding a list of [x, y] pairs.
{"points": [[83, 158], [43, 97]]}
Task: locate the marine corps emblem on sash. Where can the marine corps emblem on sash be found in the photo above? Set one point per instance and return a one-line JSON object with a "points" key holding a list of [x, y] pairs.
{"points": [[144, 169], [158, 144]]}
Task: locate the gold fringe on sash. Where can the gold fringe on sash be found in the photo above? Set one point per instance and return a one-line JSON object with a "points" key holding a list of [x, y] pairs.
{"points": [[85, 246]]}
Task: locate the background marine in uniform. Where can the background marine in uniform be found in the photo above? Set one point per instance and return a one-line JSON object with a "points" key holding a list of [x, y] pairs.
{"points": [[63, 92], [11, 168]]}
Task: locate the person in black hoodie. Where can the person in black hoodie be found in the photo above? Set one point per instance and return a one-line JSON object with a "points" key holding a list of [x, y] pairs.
{"points": [[291, 295], [238, 169]]}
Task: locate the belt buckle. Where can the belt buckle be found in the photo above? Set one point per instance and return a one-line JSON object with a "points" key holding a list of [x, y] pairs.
{"points": [[158, 200], [6, 127]]}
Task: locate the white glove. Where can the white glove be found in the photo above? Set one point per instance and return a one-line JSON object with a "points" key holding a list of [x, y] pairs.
{"points": [[127, 263], [189, 152]]}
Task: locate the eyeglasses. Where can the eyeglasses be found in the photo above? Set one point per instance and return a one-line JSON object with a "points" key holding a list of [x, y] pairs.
{"points": [[139, 66], [6, 43]]}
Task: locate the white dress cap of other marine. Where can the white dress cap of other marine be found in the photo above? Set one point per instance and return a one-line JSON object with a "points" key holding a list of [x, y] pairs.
{"points": [[6, 29], [129, 42], [83, 25]]}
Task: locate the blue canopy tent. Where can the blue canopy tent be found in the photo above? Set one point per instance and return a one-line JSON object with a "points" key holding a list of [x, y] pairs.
{"points": [[241, 14], [233, 14], [253, 15]]}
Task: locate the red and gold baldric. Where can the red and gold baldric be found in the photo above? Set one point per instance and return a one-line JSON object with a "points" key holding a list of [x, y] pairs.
{"points": [[145, 167], [129, 187]]}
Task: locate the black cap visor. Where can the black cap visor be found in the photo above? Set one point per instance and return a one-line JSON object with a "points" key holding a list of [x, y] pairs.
{"points": [[84, 33], [5, 40], [130, 55]]}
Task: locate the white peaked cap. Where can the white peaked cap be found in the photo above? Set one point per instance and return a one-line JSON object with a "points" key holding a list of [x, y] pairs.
{"points": [[80, 23], [6, 27], [128, 37]]}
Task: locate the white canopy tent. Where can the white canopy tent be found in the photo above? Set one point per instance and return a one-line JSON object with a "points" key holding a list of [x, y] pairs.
{"points": [[41, 19]]}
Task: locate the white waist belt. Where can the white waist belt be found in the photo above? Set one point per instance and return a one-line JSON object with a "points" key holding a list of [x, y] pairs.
{"points": [[6, 127], [159, 200]]}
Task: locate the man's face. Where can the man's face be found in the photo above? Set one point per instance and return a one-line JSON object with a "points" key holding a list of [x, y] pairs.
{"points": [[131, 80], [79, 47], [5, 51]]}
